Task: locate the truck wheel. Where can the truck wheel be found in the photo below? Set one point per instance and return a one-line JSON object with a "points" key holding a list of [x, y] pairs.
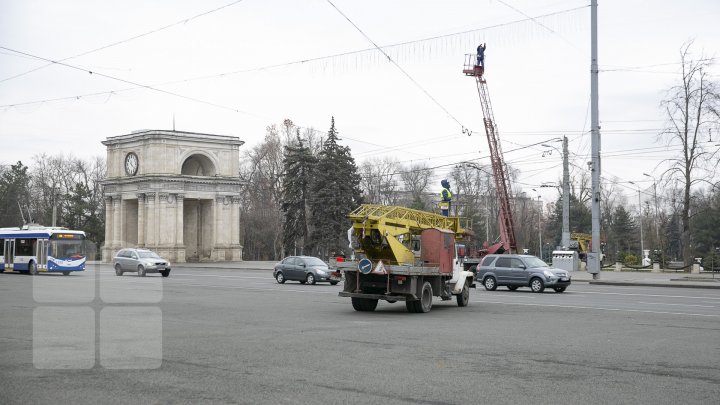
{"points": [[364, 304], [537, 285], [424, 304], [464, 297], [490, 283]]}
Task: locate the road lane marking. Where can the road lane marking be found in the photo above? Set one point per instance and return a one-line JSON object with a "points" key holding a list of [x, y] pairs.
{"points": [[649, 295], [681, 305], [258, 289], [599, 308]]}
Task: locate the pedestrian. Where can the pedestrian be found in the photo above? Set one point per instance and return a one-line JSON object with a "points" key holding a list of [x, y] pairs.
{"points": [[445, 198], [481, 55]]}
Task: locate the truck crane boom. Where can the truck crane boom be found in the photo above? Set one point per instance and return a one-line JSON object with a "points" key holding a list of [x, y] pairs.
{"points": [[500, 172], [389, 232]]}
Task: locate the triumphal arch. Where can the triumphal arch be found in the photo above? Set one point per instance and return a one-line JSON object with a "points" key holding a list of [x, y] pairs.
{"points": [[177, 193]]}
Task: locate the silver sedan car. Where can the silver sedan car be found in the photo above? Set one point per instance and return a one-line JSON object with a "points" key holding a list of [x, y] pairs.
{"points": [[305, 269], [142, 261]]}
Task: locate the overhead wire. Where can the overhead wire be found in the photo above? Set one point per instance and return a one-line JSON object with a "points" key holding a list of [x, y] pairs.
{"points": [[267, 67], [404, 72], [183, 21], [132, 83]]}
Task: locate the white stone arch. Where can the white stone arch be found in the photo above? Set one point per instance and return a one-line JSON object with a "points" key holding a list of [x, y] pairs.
{"points": [[173, 211], [198, 163]]}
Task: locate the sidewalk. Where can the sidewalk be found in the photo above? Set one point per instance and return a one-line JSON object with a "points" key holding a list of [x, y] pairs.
{"points": [[649, 279], [609, 277]]}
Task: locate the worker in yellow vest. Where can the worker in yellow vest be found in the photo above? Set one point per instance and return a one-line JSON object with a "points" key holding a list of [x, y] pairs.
{"points": [[445, 198]]}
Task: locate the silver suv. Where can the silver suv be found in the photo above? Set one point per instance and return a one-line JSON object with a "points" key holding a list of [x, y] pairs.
{"points": [[516, 271], [141, 261]]}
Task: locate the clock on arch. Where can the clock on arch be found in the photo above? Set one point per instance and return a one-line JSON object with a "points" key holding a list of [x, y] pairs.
{"points": [[131, 164]]}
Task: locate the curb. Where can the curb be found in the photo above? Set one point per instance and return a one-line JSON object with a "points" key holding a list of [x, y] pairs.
{"points": [[643, 284]]}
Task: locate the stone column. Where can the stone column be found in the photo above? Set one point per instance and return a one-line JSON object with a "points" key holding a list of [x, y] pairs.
{"points": [[235, 230], [117, 220], [109, 215], [219, 242], [107, 253], [141, 219], [179, 207], [164, 233], [235, 221], [179, 224], [151, 234]]}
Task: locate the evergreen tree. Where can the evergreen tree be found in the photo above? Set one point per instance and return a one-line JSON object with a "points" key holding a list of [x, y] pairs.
{"points": [[335, 191], [673, 231], [298, 164], [624, 232], [14, 193]]}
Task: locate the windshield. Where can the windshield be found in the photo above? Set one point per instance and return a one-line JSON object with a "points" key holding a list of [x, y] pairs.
{"points": [[148, 255], [67, 249], [314, 261], [533, 262]]}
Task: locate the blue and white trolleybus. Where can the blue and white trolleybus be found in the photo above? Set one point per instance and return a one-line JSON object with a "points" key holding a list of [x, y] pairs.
{"points": [[36, 248]]}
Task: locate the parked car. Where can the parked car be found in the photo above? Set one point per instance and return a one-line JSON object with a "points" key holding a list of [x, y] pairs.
{"points": [[142, 261], [516, 271], [305, 269]]}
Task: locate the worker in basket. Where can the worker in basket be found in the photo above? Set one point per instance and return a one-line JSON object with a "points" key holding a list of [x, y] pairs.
{"points": [[445, 198]]}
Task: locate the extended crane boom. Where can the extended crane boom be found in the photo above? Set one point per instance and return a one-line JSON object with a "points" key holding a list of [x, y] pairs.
{"points": [[500, 172]]}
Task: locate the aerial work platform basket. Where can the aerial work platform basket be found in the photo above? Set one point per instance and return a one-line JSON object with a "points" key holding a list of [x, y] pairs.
{"points": [[471, 68]]}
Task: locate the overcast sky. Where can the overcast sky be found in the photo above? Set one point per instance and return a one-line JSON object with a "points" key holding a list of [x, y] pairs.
{"points": [[234, 67]]}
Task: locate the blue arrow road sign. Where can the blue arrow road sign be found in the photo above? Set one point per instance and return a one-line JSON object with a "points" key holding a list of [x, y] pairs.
{"points": [[365, 266]]}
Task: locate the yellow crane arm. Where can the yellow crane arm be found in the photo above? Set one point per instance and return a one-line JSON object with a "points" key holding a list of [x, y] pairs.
{"points": [[391, 233]]}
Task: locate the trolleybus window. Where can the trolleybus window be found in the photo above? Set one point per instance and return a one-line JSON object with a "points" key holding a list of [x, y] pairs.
{"points": [[24, 247]]}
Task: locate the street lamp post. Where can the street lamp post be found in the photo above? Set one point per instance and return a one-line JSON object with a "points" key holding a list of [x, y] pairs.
{"points": [[642, 247], [657, 231], [540, 251]]}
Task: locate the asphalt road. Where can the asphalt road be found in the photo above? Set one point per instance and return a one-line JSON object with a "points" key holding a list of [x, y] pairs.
{"points": [[236, 336]]}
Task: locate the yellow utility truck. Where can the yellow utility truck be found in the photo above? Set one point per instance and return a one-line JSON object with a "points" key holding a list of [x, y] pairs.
{"points": [[402, 254]]}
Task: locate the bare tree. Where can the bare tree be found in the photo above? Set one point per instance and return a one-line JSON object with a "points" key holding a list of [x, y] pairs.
{"points": [[379, 180], [415, 181], [692, 110], [261, 171]]}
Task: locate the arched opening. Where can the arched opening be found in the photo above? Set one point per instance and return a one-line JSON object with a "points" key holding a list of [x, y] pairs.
{"points": [[198, 165]]}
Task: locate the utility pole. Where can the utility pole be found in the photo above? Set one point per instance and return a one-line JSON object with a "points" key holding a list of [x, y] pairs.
{"points": [[566, 197], [540, 251], [540, 227], [565, 240], [593, 257], [657, 231], [642, 246]]}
